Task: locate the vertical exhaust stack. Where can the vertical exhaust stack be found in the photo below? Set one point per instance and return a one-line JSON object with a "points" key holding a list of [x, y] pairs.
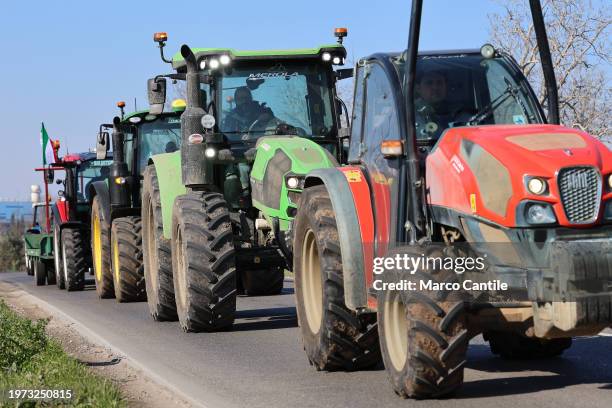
{"points": [[413, 220], [118, 183], [546, 60], [195, 171]]}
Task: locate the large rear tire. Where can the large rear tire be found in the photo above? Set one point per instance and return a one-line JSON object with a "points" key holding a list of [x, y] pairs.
{"points": [[57, 256], [126, 250], [203, 261], [424, 337], [513, 346], [334, 336], [40, 272], [74, 258], [157, 253], [262, 282], [100, 248]]}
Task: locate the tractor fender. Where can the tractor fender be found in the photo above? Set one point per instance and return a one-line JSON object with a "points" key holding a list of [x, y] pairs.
{"points": [[350, 197], [100, 189], [168, 170]]}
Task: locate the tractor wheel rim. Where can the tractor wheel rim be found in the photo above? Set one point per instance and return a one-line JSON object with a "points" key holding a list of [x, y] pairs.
{"points": [[180, 289], [311, 276], [116, 266], [396, 330], [97, 248], [149, 243]]}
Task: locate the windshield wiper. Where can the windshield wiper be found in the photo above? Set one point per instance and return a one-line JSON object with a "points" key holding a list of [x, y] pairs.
{"points": [[510, 92]]}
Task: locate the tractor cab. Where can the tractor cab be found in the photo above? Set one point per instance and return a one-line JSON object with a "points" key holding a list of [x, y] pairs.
{"points": [[453, 89]]}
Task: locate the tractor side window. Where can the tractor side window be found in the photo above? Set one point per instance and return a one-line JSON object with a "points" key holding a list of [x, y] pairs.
{"points": [[381, 119], [128, 148], [357, 116], [163, 135]]}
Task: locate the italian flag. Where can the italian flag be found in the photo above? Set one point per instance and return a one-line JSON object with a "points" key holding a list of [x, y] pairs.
{"points": [[47, 147]]}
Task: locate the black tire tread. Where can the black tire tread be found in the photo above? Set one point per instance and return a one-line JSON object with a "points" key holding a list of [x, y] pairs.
{"points": [[74, 243], [130, 287], [346, 341], [208, 255]]}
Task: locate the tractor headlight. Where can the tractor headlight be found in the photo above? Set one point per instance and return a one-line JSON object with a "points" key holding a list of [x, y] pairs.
{"points": [[536, 185], [213, 63], [210, 152], [326, 56], [610, 181], [294, 182], [224, 59], [539, 213]]}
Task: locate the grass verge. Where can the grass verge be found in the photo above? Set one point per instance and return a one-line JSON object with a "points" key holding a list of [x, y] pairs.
{"points": [[30, 360]]}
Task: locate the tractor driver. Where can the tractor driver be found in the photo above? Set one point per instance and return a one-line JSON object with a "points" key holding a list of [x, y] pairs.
{"points": [[430, 104], [246, 113]]}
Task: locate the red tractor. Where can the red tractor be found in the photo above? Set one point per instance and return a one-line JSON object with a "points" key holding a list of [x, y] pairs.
{"points": [[71, 217], [451, 152]]}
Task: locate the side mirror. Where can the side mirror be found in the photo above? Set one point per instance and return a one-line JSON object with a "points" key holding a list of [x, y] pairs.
{"points": [[156, 92], [102, 145], [344, 73]]}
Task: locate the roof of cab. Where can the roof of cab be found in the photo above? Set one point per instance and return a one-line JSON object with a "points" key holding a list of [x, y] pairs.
{"points": [[178, 61]]}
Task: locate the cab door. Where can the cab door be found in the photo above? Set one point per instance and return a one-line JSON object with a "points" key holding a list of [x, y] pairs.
{"points": [[380, 123]]}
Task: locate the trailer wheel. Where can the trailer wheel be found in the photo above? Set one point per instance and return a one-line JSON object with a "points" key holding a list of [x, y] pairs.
{"points": [[74, 258], [424, 339], [126, 250], [156, 250], [57, 256], [262, 282], [203, 261], [49, 266], [100, 248], [40, 272], [514, 346], [334, 336]]}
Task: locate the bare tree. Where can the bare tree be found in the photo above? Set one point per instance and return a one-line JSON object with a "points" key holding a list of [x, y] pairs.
{"points": [[579, 36]]}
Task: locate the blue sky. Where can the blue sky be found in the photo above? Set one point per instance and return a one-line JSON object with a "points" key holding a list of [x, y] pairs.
{"points": [[67, 62]]}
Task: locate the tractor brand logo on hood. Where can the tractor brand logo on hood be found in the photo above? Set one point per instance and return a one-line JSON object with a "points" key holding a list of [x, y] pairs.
{"points": [[578, 181], [568, 152], [265, 75]]}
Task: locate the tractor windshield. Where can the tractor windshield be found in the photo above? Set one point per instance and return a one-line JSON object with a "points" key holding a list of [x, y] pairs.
{"points": [[89, 172], [161, 135], [275, 98], [469, 90]]}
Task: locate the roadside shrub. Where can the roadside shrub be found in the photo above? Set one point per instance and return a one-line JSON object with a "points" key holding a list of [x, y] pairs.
{"points": [[20, 339], [11, 246]]}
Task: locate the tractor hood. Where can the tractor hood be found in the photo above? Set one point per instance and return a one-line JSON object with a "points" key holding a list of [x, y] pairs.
{"points": [[492, 165]]}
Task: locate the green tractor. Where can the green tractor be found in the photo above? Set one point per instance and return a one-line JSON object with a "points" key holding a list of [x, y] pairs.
{"points": [[204, 238], [38, 242], [116, 238]]}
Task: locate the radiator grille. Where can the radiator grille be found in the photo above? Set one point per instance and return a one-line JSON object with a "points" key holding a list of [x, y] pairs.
{"points": [[580, 189]]}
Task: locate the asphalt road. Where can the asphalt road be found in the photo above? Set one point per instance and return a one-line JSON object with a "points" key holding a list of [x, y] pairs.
{"points": [[261, 363]]}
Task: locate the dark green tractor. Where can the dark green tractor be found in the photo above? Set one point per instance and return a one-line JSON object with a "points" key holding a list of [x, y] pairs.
{"points": [[116, 238]]}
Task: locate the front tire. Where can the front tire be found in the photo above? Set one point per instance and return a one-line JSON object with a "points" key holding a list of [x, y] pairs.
{"points": [[157, 253], [424, 338], [203, 261], [74, 256], [334, 336], [126, 250], [100, 248]]}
